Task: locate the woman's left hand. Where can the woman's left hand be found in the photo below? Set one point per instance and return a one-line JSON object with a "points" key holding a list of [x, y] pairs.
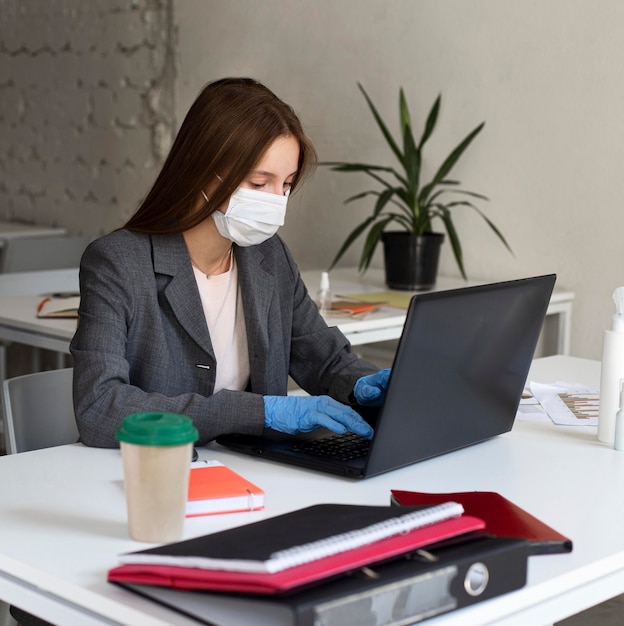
{"points": [[370, 390]]}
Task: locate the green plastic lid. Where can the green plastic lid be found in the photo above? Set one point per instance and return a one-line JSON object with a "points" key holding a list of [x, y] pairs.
{"points": [[157, 429]]}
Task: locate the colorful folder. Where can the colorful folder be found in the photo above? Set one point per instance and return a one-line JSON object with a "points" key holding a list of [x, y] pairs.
{"points": [[502, 517]]}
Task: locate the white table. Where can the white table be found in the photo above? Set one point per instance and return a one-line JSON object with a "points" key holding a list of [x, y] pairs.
{"points": [[18, 321], [19, 324], [387, 323], [12, 230], [63, 518], [19, 295]]}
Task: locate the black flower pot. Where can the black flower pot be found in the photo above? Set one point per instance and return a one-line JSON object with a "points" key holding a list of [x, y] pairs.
{"points": [[411, 261]]}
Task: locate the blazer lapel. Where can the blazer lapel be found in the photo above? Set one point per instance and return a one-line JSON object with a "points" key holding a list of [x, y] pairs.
{"points": [[171, 259], [257, 288]]}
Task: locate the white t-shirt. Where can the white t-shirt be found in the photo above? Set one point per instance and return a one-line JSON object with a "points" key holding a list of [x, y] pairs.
{"points": [[223, 307]]}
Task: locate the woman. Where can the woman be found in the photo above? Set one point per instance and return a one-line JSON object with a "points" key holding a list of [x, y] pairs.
{"points": [[196, 307]]}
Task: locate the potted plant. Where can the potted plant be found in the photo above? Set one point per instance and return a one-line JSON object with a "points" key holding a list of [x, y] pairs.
{"points": [[404, 199]]}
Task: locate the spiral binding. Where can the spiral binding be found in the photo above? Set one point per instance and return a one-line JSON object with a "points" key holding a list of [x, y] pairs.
{"points": [[298, 555]]}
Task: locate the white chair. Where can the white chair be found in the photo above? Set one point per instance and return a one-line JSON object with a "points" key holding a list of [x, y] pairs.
{"points": [[38, 411]]}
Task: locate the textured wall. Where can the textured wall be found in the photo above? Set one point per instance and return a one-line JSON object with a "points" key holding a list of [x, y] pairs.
{"points": [[86, 108]]}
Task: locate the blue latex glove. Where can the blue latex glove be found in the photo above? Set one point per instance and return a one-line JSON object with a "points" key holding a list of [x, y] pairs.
{"points": [[301, 414], [370, 390]]}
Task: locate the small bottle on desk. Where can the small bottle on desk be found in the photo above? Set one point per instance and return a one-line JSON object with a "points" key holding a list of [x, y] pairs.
{"points": [[618, 440], [323, 295], [611, 370]]}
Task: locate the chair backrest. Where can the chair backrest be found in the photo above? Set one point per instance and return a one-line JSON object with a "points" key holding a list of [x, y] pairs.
{"points": [[29, 254], [38, 411]]}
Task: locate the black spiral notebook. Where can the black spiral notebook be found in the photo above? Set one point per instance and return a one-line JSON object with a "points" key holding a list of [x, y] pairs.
{"points": [[286, 552]]}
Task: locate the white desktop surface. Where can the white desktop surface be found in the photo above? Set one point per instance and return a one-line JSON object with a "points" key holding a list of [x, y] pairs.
{"points": [[19, 313], [63, 517], [19, 323], [20, 293], [387, 322], [12, 230]]}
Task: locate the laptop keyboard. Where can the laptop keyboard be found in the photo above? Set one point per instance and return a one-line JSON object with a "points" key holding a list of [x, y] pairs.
{"points": [[338, 447]]}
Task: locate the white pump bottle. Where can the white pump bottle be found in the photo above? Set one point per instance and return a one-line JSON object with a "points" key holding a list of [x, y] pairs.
{"points": [[323, 295], [612, 371]]}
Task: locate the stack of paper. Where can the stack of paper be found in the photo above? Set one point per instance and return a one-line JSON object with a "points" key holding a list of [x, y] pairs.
{"points": [[567, 404]]}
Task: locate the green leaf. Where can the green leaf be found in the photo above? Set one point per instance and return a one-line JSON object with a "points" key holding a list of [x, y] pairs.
{"points": [[449, 163], [356, 167], [382, 126], [430, 124], [411, 154], [383, 200], [371, 242], [361, 195], [404, 114], [355, 233], [454, 239], [494, 228], [371, 171]]}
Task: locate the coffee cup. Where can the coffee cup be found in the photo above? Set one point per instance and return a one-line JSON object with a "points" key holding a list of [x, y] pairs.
{"points": [[156, 450]]}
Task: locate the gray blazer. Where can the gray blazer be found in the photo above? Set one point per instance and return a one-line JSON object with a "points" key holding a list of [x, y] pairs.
{"points": [[142, 342]]}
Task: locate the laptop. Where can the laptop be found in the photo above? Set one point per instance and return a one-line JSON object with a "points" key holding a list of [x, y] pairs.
{"points": [[457, 378]]}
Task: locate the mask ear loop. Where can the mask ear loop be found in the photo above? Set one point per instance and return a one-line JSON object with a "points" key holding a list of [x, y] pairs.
{"points": [[206, 198], [204, 193]]}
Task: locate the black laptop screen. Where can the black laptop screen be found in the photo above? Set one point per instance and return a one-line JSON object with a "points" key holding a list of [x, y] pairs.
{"points": [[460, 367]]}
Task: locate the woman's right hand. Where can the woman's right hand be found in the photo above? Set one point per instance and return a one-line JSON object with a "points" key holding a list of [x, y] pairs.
{"points": [[302, 414]]}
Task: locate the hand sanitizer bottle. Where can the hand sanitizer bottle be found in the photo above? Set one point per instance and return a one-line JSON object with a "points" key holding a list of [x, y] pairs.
{"points": [[618, 441], [323, 295], [611, 371]]}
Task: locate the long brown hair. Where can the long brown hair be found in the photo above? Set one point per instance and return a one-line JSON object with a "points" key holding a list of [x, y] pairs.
{"points": [[226, 131]]}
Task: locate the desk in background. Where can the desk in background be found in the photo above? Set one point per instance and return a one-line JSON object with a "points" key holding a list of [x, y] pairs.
{"points": [[19, 295], [15, 230], [11, 230], [18, 321], [64, 521], [387, 323]]}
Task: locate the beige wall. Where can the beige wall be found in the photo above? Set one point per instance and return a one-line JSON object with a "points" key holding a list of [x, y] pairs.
{"points": [[545, 75]]}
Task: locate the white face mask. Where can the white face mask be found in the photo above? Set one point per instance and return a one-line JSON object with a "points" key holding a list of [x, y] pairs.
{"points": [[252, 216]]}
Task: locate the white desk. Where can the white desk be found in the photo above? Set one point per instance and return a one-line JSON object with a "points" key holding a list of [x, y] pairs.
{"points": [[12, 230], [19, 323], [19, 295], [387, 323], [63, 518]]}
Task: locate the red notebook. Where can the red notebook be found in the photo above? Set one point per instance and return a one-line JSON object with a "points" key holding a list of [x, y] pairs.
{"points": [[272, 583], [502, 517], [215, 488], [287, 551]]}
